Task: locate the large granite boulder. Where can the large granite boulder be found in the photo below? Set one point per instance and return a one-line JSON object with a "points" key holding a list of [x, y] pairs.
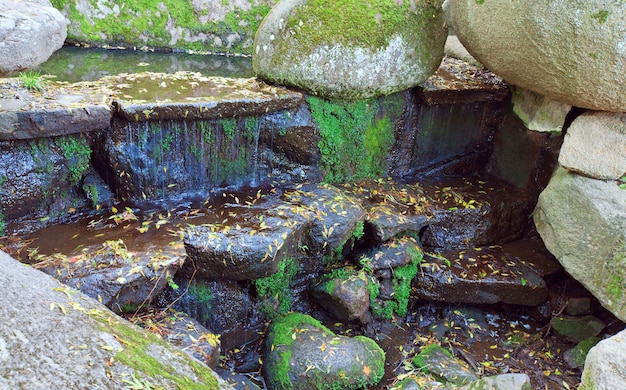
{"points": [[604, 366], [350, 49], [54, 337], [570, 51], [583, 223], [30, 31], [595, 145], [538, 112]]}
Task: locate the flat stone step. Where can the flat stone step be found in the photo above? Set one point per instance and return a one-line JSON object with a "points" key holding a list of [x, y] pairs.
{"points": [[481, 275]]}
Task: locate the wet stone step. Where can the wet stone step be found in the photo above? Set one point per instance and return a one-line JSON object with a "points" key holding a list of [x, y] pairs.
{"points": [[482, 275]]}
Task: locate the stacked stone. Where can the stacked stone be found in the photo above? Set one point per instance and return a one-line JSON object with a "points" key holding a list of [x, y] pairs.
{"points": [[561, 54]]}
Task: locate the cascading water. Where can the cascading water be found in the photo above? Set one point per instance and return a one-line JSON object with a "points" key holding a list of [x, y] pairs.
{"points": [[163, 159]]}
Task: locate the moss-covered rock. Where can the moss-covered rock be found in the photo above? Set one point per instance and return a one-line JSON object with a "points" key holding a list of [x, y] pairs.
{"points": [[304, 354], [350, 49], [205, 26]]}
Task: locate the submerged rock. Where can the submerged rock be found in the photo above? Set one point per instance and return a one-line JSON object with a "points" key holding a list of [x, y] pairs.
{"points": [[569, 51], [31, 31], [350, 49], [303, 354], [582, 221], [54, 337], [577, 328]]}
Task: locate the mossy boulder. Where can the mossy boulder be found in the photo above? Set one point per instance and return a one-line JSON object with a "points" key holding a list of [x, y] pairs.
{"points": [[440, 363], [304, 354], [350, 49], [344, 294], [569, 51], [213, 25]]}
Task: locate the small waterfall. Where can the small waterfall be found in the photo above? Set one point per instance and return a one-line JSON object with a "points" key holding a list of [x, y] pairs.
{"points": [[171, 158]]}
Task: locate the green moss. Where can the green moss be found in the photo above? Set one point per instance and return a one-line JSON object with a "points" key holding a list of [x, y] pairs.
{"points": [[77, 152], [229, 127], [480, 2], [281, 335], [134, 354], [143, 22], [326, 22], [615, 287], [354, 141], [402, 278], [274, 290], [359, 230], [422, 359], [2, 224], [601, 16]]}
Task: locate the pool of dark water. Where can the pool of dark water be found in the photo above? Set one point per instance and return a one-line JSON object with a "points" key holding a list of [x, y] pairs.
{"points": [[74, 64]]}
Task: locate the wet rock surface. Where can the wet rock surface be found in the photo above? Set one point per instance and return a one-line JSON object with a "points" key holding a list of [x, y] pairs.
{"points": [[346, 297], [120, 279], [483, 275]]}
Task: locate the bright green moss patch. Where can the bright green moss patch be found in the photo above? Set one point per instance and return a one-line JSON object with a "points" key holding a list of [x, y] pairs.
{"points": [[274, 290], [325, 22], [615, 288], [77, 152], [356, 138]]}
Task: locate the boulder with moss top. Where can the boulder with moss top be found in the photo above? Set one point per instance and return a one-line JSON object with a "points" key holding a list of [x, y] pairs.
{"points": [[350, 49], [303, 354]]}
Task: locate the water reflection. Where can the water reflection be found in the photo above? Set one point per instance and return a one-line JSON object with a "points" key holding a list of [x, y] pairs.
{"points": [[74, 64]]}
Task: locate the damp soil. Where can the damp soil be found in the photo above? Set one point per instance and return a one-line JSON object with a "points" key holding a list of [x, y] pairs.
{"points": [[491, 339]]}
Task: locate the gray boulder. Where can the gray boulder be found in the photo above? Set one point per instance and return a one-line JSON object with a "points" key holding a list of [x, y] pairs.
{"points": [[604, 366], [582, 221], [595, 145], [54, 337], [569, 51], [30, 31], [345, 296], [348, 49]]}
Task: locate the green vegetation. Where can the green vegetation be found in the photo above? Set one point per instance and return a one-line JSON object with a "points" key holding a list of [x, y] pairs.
{"points": [[480, 2], [2, 224], [622, 182], [402, 278], [359, 230], [281, 334], [615, 287], [274, 291], [77, 152], [230, 127], [601, 16], [355, 143], [145, 23], [326, 21], [32, 80]]}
